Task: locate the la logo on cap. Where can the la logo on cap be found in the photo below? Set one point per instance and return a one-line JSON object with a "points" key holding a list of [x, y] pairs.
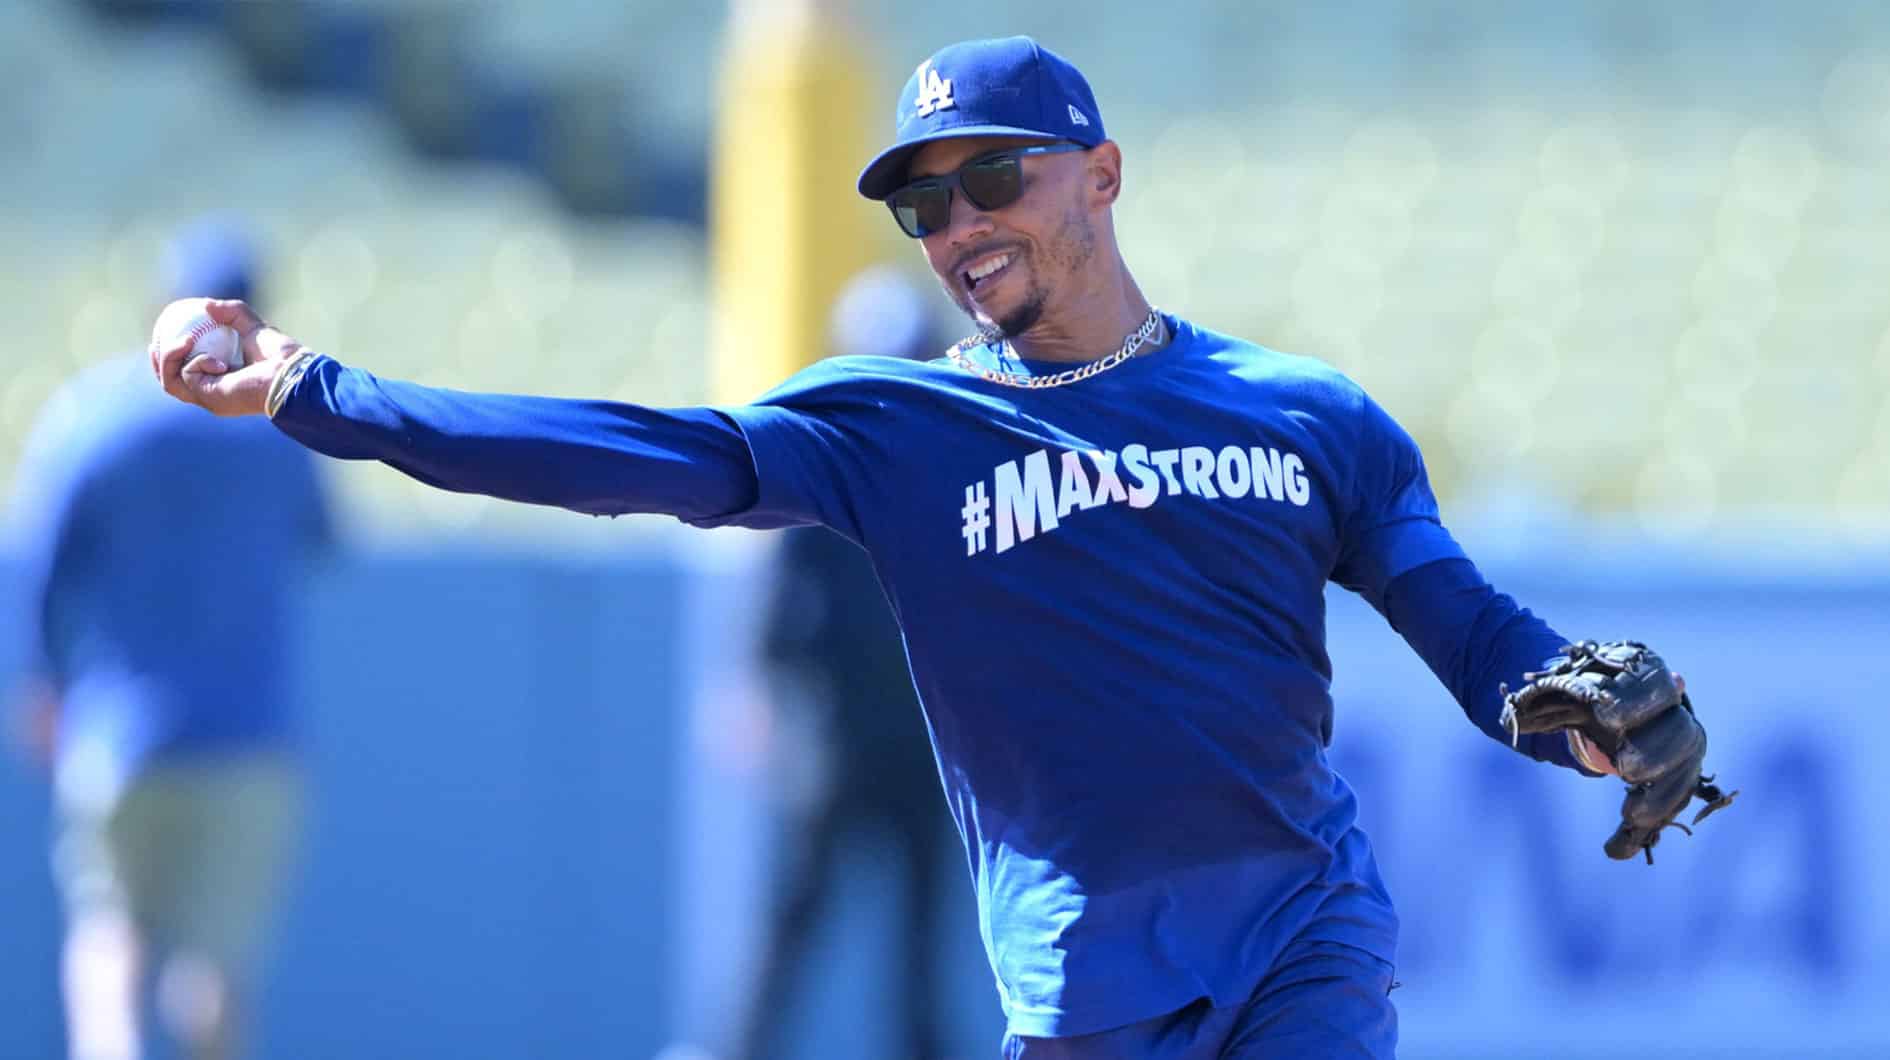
{"points": [[935, 92]]}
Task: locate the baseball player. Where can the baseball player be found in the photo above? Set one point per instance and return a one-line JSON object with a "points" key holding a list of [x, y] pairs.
{"points": [[177, 787], [1106, 531]]}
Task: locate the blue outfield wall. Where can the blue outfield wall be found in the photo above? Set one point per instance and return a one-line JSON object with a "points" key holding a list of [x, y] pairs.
{"points": [[1765, 934], [492, 744], [524, 844]]}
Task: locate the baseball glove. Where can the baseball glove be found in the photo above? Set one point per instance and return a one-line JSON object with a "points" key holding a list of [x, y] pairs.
{"points": [[1625, 701]]}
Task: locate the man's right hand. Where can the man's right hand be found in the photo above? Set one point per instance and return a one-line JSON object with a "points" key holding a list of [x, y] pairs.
{"points": [[208, 382]]}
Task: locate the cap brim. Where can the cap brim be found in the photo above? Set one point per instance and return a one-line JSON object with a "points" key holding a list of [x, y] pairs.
{"points": [[887, 173]]}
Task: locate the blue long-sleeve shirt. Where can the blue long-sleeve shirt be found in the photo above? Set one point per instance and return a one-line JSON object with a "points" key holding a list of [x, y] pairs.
{"points": [[127, 499], [1112, 599]]}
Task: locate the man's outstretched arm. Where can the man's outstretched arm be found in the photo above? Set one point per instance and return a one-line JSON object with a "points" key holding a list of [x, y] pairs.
{"points": [[1477, 640], [599, 457], [1398, 556]]}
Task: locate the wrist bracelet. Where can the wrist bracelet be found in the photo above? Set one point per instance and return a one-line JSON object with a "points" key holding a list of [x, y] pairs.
{"points": [[283, 383]]}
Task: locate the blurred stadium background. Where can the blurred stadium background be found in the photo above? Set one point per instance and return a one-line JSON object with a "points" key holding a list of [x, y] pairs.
{"points": [[1619, 266]]}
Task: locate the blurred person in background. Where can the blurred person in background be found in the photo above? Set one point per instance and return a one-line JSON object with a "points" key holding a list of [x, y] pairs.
{"points": [[156, 692], [836, 670]]}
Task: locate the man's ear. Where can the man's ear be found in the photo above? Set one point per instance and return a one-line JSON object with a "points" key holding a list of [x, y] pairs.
{"points": [[1105, 172]]}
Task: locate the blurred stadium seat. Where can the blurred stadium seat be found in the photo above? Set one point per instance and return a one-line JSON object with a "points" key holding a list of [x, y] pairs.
{"points": [[1572, 250]]}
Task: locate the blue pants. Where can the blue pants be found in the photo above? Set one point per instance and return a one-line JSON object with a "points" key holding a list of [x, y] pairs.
{"points": [[1323, 1000]]}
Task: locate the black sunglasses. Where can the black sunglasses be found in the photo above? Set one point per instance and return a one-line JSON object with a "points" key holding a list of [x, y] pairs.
{"points": [[990, 182]]}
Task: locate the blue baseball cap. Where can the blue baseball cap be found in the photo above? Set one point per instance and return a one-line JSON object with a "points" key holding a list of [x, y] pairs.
{"points": [[1011, 86]]}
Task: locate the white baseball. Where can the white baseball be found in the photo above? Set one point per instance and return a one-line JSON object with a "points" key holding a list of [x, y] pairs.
{"points": [[187, 317]]}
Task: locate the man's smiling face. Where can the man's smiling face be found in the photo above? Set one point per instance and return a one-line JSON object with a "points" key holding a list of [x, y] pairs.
{"points": [[1004, 266]]}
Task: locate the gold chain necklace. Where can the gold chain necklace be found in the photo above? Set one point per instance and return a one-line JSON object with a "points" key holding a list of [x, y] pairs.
{"points": [[1130, 345]]}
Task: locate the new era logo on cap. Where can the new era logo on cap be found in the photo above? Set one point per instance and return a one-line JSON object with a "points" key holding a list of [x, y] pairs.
{"points": [[1010, 87]]}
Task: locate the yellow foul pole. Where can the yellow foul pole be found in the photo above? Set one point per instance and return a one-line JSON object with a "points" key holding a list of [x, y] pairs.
{"points": [[795, 121]]}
